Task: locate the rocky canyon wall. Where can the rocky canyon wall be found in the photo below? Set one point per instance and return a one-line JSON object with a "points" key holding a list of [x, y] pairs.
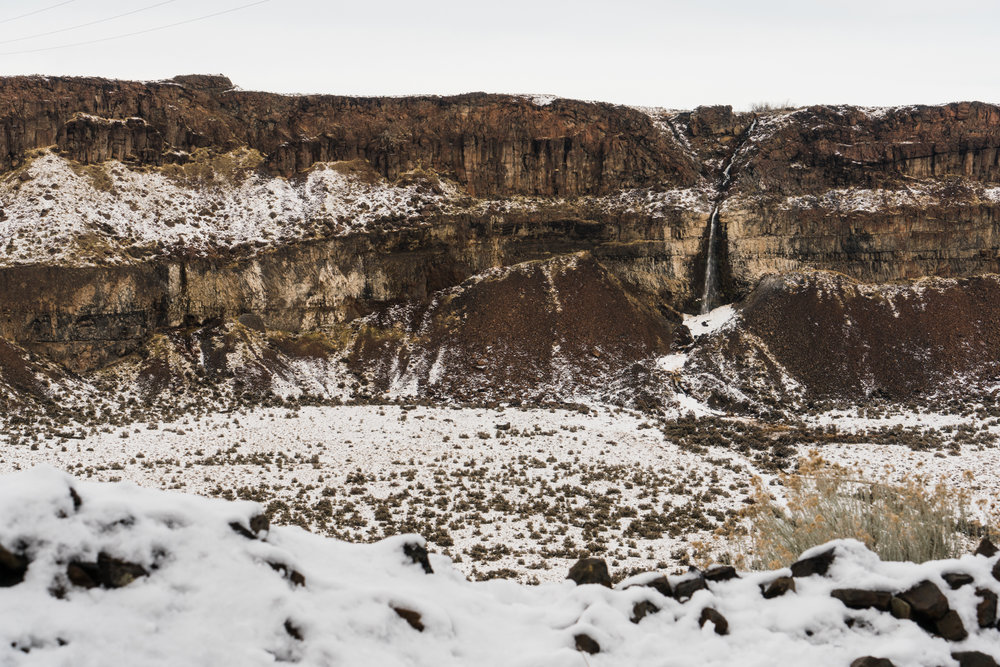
{"points": [[878, 194]]}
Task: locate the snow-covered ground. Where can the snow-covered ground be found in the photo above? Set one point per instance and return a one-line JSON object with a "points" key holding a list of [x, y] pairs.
{"points": [[518, 491], [514, 492], [55, 209], [207, 595]]}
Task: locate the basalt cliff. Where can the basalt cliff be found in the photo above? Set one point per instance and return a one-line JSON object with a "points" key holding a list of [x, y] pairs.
{"points": [[185, 236]]}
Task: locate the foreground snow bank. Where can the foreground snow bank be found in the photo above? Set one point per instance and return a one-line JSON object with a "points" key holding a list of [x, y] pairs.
{"points": [[117, 574]]}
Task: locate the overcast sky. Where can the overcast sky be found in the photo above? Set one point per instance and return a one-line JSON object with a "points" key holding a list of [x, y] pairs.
{"points": [[666, 53]]}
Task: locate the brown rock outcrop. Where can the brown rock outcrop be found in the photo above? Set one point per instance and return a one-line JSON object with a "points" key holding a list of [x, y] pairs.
{"points": [[493, 144]]}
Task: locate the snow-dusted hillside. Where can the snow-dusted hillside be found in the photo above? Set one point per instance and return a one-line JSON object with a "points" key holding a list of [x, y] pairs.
{"points": [[99, 574], [56, 210]]}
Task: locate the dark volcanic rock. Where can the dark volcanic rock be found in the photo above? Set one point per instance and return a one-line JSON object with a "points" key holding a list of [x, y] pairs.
{"points": [[950, 627], [259, 523], [870, 661], [84, 575], [858, 598], [926, 600], [116, 573], [587, 644], [899, 608], [986, 548], [107, 572], [590, 571], [411, 617], [293, 575], [986, 610], [642, 609], [293, 630], [683, 590], [956, 580], [974, 659], [494, 144], [717, 620], [660, 584], [720, 573], [777, 588], [818, 564], [418, 554], [12, 568]]}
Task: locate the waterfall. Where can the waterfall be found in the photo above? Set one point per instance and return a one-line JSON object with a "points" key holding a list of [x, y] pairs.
{"points": [[708, 296], [710, 292]]}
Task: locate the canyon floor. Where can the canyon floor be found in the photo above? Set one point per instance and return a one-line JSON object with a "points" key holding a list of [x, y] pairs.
{"points": [[507, 492]]}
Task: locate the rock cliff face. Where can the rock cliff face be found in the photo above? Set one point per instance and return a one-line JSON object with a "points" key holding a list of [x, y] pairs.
{"points": [[128, 209], [492, 144]]}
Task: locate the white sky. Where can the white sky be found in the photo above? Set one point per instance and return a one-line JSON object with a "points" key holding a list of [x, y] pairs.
{"points": [[667, 53]]}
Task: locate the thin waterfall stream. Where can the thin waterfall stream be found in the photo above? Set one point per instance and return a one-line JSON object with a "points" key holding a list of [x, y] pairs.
{"points": [[711, 289], [708, 295]]}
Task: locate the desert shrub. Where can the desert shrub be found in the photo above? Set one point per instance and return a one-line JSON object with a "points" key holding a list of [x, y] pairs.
{"points": [[915, 520], [763, 107]]}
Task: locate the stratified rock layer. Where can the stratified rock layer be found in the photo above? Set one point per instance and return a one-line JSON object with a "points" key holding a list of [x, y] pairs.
{"points": [[308, 213]]}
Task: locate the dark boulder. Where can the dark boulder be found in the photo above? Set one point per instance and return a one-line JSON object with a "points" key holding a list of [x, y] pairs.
{"points": [[84, 575], [259, 523], [986, 548], [986, 610], [116, 573], [685, 589], [974, 659], [859, 598], [590, 571], [642, 609], [411, 617], [75, 497], [293, 630], [950, 627], [107, 572], [12, 568], [900, 608], [587, 644], [777, 588], [818, 564], [926, 601], [720, 573], [418, 554], [871, 661], [294, 576], [957, 579], [660, 584], [717, 619]]}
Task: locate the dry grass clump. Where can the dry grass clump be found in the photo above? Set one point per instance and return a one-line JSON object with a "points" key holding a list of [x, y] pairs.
{"points": [[914, 520], [764, 107]]}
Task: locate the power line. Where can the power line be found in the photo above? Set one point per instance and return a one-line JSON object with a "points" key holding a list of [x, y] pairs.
{"points": [[84, 25], [137, 32], [38, 11]]}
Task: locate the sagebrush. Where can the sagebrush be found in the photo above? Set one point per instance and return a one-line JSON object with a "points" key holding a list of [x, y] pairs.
{"points": [[916, 520]]}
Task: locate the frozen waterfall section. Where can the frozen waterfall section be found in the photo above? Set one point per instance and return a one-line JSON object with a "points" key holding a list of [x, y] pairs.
{"points": [[710, 291]]}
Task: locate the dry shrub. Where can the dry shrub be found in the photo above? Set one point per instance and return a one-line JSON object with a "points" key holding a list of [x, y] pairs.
{"points": [[915, 520], [765, 107]]}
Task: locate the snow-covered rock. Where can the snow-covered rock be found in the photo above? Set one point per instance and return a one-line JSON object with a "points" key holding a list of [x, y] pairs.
{"points": [[210, 593]]}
